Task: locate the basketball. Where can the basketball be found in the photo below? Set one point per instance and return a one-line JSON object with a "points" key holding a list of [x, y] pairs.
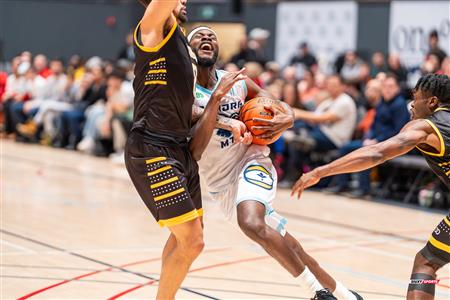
{"points": [[255, 109]]}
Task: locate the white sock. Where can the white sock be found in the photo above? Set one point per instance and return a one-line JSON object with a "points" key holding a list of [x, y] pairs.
{"points": [[310, 280], [341, 292]]}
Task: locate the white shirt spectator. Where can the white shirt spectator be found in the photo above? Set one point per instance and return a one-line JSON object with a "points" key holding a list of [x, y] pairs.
{"points": [[56, 87], [339, 132]]}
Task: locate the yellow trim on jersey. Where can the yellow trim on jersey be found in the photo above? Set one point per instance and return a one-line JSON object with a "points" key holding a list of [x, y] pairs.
{"points": [[447, 173], [259, 168], [156, 159], [160, 170], [439, 245], [440, 108], [444, 164], [157, 185], [157, 71], [167, 195], [259, 183], [160, 45], [441, 140], [193, 214], [447, 221], [154, 62], [162, 82]]}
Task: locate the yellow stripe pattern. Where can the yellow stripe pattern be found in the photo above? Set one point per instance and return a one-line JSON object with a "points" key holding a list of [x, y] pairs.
{"points": [[160, 170], [154, 62], [159, 184], [259, 168], [447, 221], [156, 159], [439, 245], [162, 82], [157, 71], [193, 214], [170, 194]]}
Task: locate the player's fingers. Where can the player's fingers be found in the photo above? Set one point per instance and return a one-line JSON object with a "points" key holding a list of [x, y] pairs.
{"points": [[261, 127], [264, 121], [241, 71], [267, 135]]}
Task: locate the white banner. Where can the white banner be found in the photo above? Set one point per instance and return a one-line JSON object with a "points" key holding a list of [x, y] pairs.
{"points": [[410, 24], [329, 28]]}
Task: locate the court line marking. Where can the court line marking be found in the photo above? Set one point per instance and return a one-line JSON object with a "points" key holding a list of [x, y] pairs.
{"points": [[89, 259], [381, 278], [16, 246]]}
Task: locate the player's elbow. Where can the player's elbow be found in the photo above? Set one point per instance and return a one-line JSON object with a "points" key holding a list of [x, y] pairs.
{"points": [[195, 152]]}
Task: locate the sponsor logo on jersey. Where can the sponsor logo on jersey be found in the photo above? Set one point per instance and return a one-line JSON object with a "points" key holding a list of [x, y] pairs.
{"points": [[231, 106], [258, 175]]}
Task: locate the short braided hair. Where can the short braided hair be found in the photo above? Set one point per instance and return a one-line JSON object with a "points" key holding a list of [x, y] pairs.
{"points": [[435, 85]]}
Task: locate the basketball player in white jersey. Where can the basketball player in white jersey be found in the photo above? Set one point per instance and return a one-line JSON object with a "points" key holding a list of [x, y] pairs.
{"points": [[241, 175]]}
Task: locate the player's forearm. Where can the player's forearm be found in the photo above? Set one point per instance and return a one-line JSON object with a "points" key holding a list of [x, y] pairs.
{"points": [[156, 13], [359, 160], [371, 156], [204, 128]]}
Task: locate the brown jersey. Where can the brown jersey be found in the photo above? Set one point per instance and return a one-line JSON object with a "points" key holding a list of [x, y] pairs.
{"points": [[163, 85], [440, 162]]}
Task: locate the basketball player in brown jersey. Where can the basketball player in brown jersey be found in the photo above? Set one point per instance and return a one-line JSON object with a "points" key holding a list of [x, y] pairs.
{"points": [[157, 155], [429, 131]]}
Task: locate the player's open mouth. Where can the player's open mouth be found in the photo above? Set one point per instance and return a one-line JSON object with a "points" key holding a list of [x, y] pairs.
{"points": [[206, 47]]}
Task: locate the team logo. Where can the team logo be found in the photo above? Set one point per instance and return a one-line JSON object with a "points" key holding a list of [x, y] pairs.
{"points": [[258, 175], [198, 95]]}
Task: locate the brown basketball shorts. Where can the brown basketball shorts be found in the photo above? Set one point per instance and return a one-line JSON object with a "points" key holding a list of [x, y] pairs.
{"points": [[166, 177]]}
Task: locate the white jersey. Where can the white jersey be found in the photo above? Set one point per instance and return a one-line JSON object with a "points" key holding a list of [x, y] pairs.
{"points": [[234, 172], [222, 159]]}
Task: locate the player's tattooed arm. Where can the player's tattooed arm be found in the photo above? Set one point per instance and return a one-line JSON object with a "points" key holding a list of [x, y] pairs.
{"points": [[415, 133]]}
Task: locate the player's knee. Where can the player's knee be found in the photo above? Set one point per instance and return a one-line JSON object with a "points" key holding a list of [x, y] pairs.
{"points": [[422, 265], [253, 228], [191, 244]]}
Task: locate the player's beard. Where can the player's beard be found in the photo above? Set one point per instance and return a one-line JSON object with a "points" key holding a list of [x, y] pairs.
{"points": [[206, 62], [182, 18]]}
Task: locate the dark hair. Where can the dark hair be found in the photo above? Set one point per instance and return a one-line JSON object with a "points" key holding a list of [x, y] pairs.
{"points": [[117, 73], [392, 76], [434, 34], [435, 85], [58, 59]]}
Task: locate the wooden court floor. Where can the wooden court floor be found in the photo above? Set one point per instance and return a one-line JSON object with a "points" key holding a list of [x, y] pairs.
{"points": [[73, 227]]}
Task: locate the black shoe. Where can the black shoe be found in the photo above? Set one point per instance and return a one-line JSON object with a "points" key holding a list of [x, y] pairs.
{"points": [[358, 296], [324, 294], [337, 189]]}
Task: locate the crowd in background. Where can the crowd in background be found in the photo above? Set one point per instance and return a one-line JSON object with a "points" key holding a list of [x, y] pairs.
{"points": [[87, 105]]}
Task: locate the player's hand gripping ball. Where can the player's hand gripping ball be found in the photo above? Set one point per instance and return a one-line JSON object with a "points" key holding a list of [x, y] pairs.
{"points": [[255, 108]]}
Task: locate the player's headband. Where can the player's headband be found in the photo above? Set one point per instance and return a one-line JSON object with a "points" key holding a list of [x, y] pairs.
{"points": [[193, 32]]}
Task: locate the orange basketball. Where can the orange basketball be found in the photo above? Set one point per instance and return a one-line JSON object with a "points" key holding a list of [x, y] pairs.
{"points": [[255, 109]]}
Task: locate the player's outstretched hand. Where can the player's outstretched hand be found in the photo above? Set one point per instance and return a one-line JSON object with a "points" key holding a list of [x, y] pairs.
{"points": [[279, 123], [227, 82], [307, 180]]}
